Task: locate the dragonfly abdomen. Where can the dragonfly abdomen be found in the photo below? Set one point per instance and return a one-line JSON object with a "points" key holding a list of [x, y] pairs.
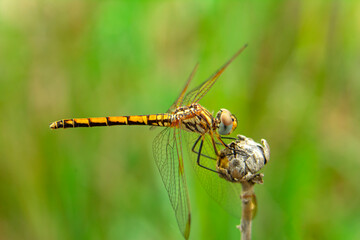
{"points": [[162, 120]]}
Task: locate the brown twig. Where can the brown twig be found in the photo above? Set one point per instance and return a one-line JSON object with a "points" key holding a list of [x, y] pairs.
{"points": [[247, 194]]}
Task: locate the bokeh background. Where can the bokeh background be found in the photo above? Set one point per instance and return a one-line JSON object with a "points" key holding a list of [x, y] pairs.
{"points": [[296, 85]]}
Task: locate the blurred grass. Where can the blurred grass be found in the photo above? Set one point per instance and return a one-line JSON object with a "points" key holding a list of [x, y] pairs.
{"points": [[297, 85]]}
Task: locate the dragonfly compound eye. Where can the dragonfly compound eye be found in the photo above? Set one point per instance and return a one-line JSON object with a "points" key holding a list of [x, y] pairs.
{"points": [[227, 122]]}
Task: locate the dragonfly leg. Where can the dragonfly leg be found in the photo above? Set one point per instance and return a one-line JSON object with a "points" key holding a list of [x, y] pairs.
{"points": [[223, 143], [194, 151], [226, 145], [199, 155], [231, 138]]}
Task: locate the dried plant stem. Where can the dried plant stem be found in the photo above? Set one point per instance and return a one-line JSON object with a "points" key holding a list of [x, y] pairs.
{"points": [[247, 194], [241, 163]]}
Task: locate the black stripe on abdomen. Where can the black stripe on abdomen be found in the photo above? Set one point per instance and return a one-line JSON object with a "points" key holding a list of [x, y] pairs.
{"points": [[80, 124], [60, 124], [96, 124], [68, 123]]}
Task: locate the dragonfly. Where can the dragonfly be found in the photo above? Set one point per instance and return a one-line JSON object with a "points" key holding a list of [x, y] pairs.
{"points": [[186, 123]]}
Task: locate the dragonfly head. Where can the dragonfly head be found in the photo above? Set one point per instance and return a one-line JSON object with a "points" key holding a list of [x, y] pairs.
{"points": [[226, 122]]}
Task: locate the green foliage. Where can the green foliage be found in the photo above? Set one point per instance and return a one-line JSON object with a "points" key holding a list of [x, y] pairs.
{"points": [[296, 85]]}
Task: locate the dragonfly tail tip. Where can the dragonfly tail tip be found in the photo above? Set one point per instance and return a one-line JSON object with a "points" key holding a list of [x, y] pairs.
{"points": [[52, 125]]}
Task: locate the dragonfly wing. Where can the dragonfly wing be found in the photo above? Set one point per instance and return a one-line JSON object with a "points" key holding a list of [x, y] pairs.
{"points": [[225, 193], [178, 102], [196, 94], [169, 160]]}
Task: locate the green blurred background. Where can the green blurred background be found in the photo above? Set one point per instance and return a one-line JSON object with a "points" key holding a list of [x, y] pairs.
{"points": [[296, 85]]}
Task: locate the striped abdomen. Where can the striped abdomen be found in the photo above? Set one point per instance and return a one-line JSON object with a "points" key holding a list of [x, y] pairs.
{"points": [[162, 120]]}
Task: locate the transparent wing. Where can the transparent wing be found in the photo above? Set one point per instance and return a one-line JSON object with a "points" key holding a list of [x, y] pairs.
{"points": [[178, 102], [227, 194], [196, 94], [169, 160]]}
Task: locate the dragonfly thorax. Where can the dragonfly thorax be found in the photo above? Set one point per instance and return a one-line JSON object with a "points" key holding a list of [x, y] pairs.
{"points": [[193, 118]]}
